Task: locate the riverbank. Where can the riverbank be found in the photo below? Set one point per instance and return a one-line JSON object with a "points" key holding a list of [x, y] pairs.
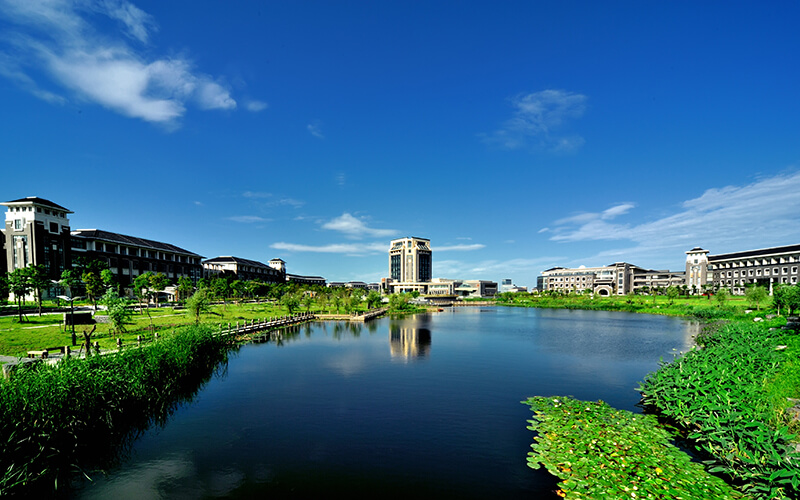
{"points": [[57, 420], [730, 399]]}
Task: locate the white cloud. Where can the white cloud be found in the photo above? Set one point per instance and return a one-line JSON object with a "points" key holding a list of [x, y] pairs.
{"points": [[343, 248], [356, 228], [54, 36], [248, 219], [756, 215], [538, 120], [255, 106], [256, 194], [314, 128], [459, 248]]}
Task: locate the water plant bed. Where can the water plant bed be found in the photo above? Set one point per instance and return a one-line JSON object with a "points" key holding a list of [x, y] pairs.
{"points": [[730, 398], [600, 452]]}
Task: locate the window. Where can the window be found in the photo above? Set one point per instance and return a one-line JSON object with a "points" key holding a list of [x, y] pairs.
{"points": [[18, 224], [54, 227]]}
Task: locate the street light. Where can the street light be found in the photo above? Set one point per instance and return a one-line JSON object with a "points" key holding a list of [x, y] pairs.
{"points": [[71, 310]]}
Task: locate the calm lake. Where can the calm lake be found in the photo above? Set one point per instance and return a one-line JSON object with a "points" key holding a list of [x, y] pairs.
{"points": [[424, 406]]}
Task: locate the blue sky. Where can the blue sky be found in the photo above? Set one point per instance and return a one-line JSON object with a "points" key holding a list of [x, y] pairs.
{"points": [[516, 136]]}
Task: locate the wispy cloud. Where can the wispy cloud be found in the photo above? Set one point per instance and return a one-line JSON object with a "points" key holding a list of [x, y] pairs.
{"points": [[539, 120], [56, 37], [459, 248], [756, 215], [255, 106], [491, 269], [315, 129], [354, 227], [256, 194], [343, 248], [248, 219]]}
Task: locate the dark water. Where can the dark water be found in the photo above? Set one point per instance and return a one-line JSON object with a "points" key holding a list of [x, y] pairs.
{"points": [[426, 406]]}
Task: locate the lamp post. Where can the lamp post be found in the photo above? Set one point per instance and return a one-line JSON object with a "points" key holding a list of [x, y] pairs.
{"points": [[71, 310]]}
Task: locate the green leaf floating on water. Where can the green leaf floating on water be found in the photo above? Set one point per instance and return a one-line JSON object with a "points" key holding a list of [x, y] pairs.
{"points": [[601, 452]]}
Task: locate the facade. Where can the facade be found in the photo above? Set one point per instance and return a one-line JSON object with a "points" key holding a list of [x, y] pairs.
{"points": [[129, 256], [411, 260], [37, 232], [306, 280], [735, 271], [410, 265], [620, 278], [476, 288], [244, 269]]}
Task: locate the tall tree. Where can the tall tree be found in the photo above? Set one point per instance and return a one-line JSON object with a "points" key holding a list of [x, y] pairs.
{"points": [[198, 303], [69, 280], [158, 282], [141, 285], [185, 288], [109, 280], [19, 285], [38, 280], [118, 311], [755, 295]]}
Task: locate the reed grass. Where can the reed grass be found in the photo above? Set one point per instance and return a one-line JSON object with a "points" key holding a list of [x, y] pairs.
{"points": [[59, 419]]}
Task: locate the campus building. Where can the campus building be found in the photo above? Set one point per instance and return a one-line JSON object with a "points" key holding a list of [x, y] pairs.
{"points": [[129, 256], [36, 232], [410, 265], [620, 278], [735, 271], [245, 269]]}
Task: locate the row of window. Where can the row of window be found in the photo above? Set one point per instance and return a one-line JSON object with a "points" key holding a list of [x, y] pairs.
{"points": [[134, 252], [767, 261], [758, 272], [47, 211]]}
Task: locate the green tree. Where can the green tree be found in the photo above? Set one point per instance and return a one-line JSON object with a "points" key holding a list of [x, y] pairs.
{"points": [[19, 285], [158, 282], [238, 289], [307, 301], [109, 280], [185, 288], [118, 311], [38, 280], [290, 302], [95, 287], [722, 296], [70, 278], [198, 303], [672, 294], [755, 296], [373, 299], [141, 286]]}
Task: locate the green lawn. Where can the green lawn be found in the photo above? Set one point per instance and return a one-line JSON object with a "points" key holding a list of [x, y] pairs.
{"points": [[47, 331]]}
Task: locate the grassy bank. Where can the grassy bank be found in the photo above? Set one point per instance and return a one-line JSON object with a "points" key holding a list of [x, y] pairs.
{"points": [[728, 398], [56, 420], [691, 306]]}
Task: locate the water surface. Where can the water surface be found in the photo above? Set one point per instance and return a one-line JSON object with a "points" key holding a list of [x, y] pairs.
{"points": [[427, 405]]}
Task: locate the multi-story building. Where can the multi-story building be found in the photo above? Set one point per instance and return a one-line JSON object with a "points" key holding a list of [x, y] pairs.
{"points": [[37, 232], [476, 288], [244, 269], [620, 278], [129, 256], [410, 260], [766, 267], [410, 265]]}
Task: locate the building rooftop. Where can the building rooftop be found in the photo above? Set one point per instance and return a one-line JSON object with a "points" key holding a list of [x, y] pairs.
{"points": [[37, 201], [99, 234], [755, 253], [238, 260]]}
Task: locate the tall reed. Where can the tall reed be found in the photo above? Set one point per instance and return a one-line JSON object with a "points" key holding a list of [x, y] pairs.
{"points": [[56, 420]]}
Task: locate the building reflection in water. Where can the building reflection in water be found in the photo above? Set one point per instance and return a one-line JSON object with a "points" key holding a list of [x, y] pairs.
{"points": [[409, 342]]}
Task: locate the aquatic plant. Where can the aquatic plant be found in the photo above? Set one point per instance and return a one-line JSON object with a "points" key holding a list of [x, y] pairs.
{"points": [[59, 419], [600, 452], [728, 400]]}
